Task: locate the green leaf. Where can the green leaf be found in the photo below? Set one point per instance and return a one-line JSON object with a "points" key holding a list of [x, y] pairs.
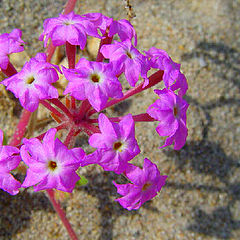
{"points": [[5, 140], [83, 181]]}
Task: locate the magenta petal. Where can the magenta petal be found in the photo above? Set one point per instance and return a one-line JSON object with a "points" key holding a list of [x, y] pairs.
{"points": [[33, 178], [9, 184]]}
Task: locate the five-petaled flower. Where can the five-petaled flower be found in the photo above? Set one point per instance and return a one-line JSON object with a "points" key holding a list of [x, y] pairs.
{"points": [[127, 59], [145, 184], [51, 164], [33, 82], [94, 81], [116, 144], [170, 111]]}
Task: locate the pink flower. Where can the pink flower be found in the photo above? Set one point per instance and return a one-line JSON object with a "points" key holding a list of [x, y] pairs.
{"points": [[172, 77], [127, 59], [10, 43], [108, 26], [70, 28], [170, 111], [9, 160], [116, 144], [99, 21], [51, 164], [33, 82], [145, 184], [94, 81]]}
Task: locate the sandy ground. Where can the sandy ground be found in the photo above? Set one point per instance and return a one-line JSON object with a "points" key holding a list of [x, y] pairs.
{"points": [[201, 199]]}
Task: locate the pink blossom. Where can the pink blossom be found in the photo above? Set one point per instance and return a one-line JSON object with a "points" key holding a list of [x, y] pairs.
{"points": [[108, 26], [170, 111], [51, 164], [116, 144], [9, 160], [145, 184], [172, 77], [127, 59], [33, 82], [94, 81], [70, 28], [10, 43], [99, 21]]}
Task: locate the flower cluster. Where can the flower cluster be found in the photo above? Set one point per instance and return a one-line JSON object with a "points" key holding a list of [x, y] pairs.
{"points": [[92, 87]]}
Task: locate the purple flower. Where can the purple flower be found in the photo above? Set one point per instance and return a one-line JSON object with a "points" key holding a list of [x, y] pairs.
{"points": [[116, 144], [99, 21], [127, 59], [124, 29], [33, 82], [145, 184], [108, 26], [9, 160], [51, 164], [70, 28], [10, 43], [94, 81], [170, 111], [172, 77]]}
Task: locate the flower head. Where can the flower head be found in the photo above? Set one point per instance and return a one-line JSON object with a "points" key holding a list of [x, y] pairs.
{"points": [[128, 60], [10, 43], [94, 81], [145, 184], [116, 144], [9, 160], [51, 164], [172, 77], [70, 28], [170, 111], [33, 82]]}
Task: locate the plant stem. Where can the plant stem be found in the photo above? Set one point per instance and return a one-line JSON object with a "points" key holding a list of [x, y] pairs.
{"points": [[51, 108], [10, 70], [143, 117], [69, 6], [85, 106], [71, 55], [61, 106], [69, 137], [153, 80], [105, 40], [21, 128], [61, 214]]}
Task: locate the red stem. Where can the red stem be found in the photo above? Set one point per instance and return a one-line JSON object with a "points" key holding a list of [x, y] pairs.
{"points": [[73, 102], [89, 127], [85, 106], [10, 70], [60, 105], [71, 54], [21, 128], [61, 214], [69, 137], [143, 117], [69, 6], [51, 108], [153, 80], [105, 40]]}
